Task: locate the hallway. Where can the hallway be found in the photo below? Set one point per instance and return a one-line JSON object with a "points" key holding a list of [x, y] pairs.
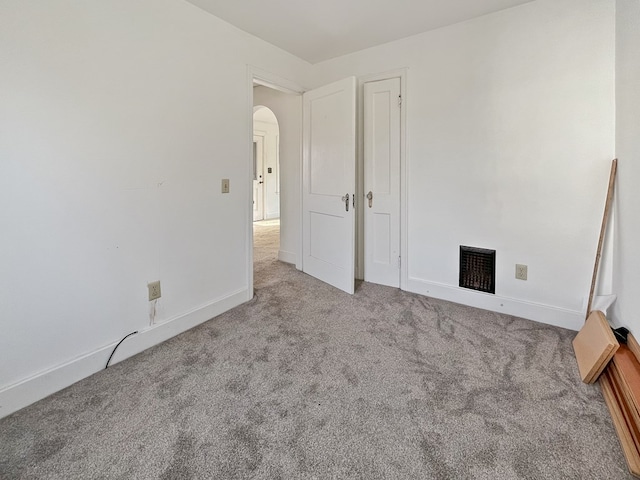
{"points": [[266, 242]]}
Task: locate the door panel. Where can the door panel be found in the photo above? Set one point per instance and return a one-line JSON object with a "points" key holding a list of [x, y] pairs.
{"points": [[258, 178], [329, 159], [382, 235], [382, 179]]}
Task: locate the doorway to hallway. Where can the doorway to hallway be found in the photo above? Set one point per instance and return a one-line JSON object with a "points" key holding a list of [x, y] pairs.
{"points": [[266, 164]]}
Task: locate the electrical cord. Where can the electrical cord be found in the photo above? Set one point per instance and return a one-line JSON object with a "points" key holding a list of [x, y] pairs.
{"points": [[114, 350]]}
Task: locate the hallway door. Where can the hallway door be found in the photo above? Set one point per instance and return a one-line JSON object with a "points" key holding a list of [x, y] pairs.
{"points": [[329, 177]]}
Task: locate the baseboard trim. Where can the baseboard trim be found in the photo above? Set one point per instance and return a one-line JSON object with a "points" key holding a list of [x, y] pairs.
{"points": [[551, 315], [287, 257], [30, 390]]}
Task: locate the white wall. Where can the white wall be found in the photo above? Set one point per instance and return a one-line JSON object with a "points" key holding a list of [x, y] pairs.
{"points": [[627, 260], [118, 121], [270, 133], [288, 110], [510, 131]]}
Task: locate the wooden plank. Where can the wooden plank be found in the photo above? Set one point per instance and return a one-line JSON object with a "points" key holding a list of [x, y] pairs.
{"points": [[603, 231], [633, 345], [629, 449], [594, 346], [629, 412], [629, 370]]}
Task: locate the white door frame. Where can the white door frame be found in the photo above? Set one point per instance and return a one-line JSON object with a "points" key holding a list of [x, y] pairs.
{"points": [[360, 193], [261, 77]]}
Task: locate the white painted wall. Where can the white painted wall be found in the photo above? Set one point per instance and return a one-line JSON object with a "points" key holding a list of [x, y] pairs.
{"points": [[270, 132], [510, 131], [118, 121], [288, 110], [626, 259]]}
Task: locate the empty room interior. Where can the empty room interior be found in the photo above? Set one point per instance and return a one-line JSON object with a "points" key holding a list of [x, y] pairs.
{"points": [[313, 239]]}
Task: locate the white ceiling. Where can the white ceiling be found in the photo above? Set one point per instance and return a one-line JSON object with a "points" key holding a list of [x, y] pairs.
{"points": [[324, 29]]}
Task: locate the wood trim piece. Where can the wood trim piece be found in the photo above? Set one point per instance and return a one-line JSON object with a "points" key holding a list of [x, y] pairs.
{"points": [[603, 231], [633, 345], [624, 400], [629, 448], [629, 370]]}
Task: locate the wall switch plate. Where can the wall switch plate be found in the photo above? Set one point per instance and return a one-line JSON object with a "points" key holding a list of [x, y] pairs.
{"points": [[225, 185], [521, 272], [154, 290]]}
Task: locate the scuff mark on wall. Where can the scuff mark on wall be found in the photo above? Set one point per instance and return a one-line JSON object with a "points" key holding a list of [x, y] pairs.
{"points": [[152, 312]]}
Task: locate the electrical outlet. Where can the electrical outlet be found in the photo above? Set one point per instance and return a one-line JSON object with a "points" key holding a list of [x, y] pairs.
{"points": [[154, 290], [225, 185], [521, 272]]}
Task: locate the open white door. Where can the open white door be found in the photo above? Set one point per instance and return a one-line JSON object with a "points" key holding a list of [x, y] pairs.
{"points": [[382, 182], [329, 183], [258, 178]]}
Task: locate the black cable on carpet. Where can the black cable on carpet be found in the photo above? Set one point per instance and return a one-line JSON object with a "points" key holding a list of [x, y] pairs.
{"points": [[114, 350]]}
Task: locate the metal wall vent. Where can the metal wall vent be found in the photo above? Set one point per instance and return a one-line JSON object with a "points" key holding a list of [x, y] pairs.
{"points": [[478, 269]]}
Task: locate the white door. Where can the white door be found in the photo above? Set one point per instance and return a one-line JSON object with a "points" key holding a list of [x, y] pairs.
{"points": [[382, 182], [329, 182], [258, 178]]}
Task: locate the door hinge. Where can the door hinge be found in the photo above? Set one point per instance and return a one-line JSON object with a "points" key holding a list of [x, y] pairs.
{"points": [[400, 101]]}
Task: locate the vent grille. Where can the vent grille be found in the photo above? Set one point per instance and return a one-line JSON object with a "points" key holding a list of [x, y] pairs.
{"points": [[478, 269]]}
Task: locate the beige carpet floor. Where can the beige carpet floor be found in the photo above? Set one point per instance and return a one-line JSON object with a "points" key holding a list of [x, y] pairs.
{"points": [[306, 382]]}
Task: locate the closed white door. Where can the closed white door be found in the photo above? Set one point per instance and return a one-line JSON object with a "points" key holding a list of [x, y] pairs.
{"points": [[329, 168], [258, 178], [382, 104]]}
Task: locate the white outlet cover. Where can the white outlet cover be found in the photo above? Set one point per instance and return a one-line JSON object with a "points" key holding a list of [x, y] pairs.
{"points": [[521, 272], [154, 290]]}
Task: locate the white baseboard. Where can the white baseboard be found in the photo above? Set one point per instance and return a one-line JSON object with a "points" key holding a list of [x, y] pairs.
{"points": [[30, 390], [559, 317], [287, 257]]}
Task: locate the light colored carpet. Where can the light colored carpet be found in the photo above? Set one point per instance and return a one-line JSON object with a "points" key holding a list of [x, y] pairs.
{"points": [[308, 382]]}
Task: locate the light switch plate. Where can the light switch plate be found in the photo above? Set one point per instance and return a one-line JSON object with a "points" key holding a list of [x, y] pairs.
{"points": [[225, 185]]}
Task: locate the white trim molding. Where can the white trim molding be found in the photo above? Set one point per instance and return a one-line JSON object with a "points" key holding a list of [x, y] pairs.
{"points": [[24, 393], [548, 314], [287, 257]]}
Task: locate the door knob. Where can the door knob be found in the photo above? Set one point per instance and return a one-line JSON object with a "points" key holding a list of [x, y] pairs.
{"points": [[345, 199], [370, 198]]}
